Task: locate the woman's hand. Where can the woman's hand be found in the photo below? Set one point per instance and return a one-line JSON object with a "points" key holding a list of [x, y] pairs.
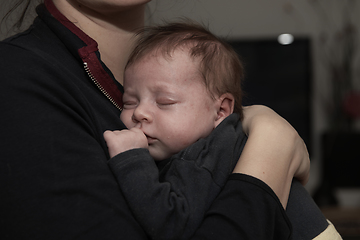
{"points": [[274, 152], [121, 141]]}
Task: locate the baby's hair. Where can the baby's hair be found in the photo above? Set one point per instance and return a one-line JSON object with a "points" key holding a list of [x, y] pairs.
{"points": [[220, 65]]}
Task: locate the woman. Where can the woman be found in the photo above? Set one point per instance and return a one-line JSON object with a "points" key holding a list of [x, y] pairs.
{"points": [[59, 95]]}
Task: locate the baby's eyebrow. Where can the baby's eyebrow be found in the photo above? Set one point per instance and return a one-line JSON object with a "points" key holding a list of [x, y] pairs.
{"points": [[129, 89], [167, 94], [128, 92], [162, 88]]}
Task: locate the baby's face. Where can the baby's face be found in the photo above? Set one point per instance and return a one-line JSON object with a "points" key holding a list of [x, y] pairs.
{"points": [[168, 100]]}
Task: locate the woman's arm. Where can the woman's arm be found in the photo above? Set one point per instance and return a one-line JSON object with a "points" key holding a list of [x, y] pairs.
{"points": [[274, 152], [247, 208]]}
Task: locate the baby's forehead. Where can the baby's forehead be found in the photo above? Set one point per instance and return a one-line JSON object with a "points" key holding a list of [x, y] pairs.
{"points": [[169, 54], [176, 65]]}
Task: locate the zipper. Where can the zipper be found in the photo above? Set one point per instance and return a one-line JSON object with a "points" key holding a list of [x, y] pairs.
{"points": [[100, 87]]}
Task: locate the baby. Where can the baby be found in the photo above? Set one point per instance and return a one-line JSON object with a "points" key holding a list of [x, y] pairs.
{"points": [[180, 83], [181, 86]]}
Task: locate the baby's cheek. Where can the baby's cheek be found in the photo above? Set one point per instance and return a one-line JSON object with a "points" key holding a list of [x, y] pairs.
{"points": [[185, 140], [125, 117]]}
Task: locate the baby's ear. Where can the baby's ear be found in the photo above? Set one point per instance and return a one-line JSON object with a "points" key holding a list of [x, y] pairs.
{"points": [[225, 107]]}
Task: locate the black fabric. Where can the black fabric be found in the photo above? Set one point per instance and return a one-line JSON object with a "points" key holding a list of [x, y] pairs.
{"points": [[55, 182], [306, 218], [245, 190], [179, 195], [54, 179]]}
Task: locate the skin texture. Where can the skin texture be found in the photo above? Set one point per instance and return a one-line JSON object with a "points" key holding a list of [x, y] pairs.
{"points": [[167, 100], [111, 23], [272, 142], [108, 7]]}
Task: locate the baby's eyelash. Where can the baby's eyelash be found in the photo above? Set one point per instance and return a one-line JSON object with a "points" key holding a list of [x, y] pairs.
{"points": [[130, 104], [165, 101]]}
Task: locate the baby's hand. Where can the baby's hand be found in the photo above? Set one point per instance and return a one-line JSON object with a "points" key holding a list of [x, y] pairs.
{"points": [[121, 141]]}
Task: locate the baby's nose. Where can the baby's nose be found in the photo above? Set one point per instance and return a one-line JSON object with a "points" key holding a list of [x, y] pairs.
{"points": [[142, 114]]}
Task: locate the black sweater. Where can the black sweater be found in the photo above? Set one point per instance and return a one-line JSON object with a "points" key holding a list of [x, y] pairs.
{"points": [[55, 181], [180, 193]]}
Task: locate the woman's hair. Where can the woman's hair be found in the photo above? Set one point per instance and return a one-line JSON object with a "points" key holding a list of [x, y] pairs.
{"points": [[17, 13], [220, 65]]}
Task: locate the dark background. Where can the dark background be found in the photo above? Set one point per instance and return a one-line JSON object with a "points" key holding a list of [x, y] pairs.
{"points": [[279, 76]]}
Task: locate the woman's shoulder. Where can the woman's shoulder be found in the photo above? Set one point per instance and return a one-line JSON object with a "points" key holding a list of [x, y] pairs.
{"points": [[37, 42], [36, 49], [33, 63], [25, 60]]}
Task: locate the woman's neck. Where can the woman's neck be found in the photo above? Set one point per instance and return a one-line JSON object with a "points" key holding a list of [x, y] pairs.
{"points": [[114, 32]]}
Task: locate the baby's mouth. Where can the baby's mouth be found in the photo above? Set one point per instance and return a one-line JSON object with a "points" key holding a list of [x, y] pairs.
{"points": [[150, 139]]}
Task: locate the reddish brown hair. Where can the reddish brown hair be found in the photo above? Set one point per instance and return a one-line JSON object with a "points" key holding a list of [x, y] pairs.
{"points": [[220, 65]]}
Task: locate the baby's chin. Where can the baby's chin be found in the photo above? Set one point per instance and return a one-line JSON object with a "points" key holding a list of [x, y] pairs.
{"points": [[158, 155]]}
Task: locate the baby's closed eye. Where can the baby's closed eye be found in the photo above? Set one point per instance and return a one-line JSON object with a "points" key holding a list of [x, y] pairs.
{"points": [[130, 104], [163, 102]]}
